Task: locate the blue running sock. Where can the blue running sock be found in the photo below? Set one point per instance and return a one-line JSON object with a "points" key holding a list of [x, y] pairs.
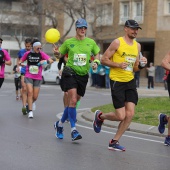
{"points": [[72, 116], [65, 115]]}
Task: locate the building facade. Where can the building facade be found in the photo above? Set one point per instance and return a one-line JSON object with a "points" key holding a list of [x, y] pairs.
{"points": [[105, 18]]}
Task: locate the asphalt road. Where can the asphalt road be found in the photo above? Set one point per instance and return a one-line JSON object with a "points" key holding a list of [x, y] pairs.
{"points": [[30, 144]]}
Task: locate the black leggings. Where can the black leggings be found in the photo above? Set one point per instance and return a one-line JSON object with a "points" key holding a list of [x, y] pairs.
{"points": [[17, 82], [1, 81]]}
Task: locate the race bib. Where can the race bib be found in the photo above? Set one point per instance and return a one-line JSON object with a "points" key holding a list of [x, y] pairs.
{"points": [[33, 69], [80, 59], [131, 61]]}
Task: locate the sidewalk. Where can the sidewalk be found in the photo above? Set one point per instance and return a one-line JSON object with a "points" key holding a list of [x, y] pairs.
{"points": [[135, 127]]}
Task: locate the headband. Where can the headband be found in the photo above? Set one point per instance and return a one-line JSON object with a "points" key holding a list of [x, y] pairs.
{"points": [[36, 44]]}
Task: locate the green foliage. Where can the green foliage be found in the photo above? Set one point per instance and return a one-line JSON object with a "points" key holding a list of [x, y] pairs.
{"points": [[146, 111]]}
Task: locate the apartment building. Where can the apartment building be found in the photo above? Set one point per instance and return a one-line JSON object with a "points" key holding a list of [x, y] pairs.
{"points": [[106, 20], [152, 15], [21, 19]]}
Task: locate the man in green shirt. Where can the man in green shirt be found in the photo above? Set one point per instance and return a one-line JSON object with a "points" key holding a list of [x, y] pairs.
{"points": [[75, 74]]}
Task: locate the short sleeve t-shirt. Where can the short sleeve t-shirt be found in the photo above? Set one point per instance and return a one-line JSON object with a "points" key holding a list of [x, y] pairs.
{"points": [[79, 53], [37, 76], [2, 66]]}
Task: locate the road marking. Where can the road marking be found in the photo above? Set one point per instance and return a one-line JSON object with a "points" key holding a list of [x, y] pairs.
{"points": [[129, 136]]}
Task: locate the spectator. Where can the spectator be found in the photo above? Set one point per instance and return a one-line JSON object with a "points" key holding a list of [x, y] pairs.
{"points": [[101, 75], [107, 79], [137, 77], [165, 79], [151, 75]]}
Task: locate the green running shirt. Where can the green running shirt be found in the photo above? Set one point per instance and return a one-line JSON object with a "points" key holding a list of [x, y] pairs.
{"points": [[79, 53]]}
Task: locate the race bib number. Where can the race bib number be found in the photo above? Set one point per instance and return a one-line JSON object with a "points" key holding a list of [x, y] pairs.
{"points": [[33, 69], [131, 61], [80, 59]]}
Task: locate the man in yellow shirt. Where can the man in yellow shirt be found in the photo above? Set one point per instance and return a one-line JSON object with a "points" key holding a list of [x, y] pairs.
{"points": [[122, 56]]}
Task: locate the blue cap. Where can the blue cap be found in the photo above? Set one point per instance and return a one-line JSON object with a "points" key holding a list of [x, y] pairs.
{"points": [[81, 23]]}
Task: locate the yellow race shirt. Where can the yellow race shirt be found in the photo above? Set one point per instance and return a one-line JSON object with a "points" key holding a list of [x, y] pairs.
{"points": [[125, 53]]}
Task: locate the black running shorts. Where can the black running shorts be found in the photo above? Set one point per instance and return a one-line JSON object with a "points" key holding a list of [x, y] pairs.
{"points": [[123, 92], [74, 81]]}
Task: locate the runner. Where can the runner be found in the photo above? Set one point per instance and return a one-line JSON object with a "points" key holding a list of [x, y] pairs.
{"points": [[163, 121], [33, 75], [122, 56], [17, 82], [5, 59], [75, 74], [28, 47]]}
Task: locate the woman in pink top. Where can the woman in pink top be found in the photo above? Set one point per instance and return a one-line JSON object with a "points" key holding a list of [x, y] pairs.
{"points": [[33, 76], [5, 59]]}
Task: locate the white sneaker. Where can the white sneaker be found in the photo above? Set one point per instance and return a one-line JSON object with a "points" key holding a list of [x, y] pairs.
{"points": [[30, 114], [33, 106]]}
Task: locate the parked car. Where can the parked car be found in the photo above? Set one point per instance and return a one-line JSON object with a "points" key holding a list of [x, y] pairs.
{"points": [[51, 74]]}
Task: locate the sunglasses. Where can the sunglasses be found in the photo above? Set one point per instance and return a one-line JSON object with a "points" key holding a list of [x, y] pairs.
{"points": [[38, 48], [82, 28]]}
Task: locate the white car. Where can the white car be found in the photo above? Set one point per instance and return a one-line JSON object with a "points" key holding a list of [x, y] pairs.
{"points": [[51, 73]]}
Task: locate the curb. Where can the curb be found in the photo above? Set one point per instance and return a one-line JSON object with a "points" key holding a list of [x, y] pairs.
{"points": [[134, 127]]}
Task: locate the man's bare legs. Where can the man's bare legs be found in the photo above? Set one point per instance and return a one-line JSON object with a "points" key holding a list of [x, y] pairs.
{"points": [[124, 115]]}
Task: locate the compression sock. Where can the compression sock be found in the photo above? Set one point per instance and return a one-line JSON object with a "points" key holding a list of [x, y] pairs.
{"points": [[72, 116], [65, 115]]}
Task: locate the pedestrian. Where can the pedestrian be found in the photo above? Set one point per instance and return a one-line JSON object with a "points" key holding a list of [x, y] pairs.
{"points": [[122, 56], [75, 73], [101, 74], [28, 46], [107, 79], [151, 75], [94, 71], [165, 77], [5, 59], [163, 121], [33, 75], [17, 82], [137, 78]]}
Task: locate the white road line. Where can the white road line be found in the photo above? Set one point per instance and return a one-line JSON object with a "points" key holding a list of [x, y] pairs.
{"points": [[129, 136]]}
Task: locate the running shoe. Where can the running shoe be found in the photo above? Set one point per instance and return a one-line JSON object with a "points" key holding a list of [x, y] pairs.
{"points": [[115, 146], [75, 135], [59, 131], [97, 123], [30, 115], [162, 123], [167, 141], [17, 98], [24, 110]]}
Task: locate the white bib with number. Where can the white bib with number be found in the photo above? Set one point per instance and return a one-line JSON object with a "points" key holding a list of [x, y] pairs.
{"points": [[80, 59], [130, 61], [33, 69]]}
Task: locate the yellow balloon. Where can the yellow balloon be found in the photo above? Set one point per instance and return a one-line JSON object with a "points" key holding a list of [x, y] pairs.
{"points": [[52, 35]]}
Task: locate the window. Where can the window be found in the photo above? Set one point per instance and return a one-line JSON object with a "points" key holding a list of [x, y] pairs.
{"points": [[104, 15], [131, 9], [137, 11], [124, 11], [167, 7]]}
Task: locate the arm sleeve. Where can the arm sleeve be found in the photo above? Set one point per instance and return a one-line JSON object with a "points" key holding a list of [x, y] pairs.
{"points": [[60, 62]]}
